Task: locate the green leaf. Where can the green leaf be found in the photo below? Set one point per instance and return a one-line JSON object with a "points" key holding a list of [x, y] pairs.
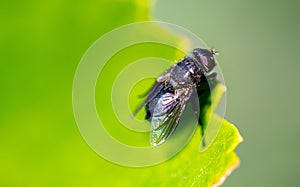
{"points": [[43, 44]]}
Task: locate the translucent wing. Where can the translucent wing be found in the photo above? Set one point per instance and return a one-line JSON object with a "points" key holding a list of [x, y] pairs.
{"points": [[164, 107], [165, 116], [156, 89]]}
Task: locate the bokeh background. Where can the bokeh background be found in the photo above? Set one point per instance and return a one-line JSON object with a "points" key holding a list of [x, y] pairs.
{"points": [[42, 42], [258, 43]]}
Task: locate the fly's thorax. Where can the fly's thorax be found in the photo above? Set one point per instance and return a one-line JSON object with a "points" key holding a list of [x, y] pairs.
{"points": [[189, 64], [181, 80], [183, 72]]}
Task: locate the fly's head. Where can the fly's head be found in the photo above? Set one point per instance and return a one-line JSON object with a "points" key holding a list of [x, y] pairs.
{"points": [[204, 58]]}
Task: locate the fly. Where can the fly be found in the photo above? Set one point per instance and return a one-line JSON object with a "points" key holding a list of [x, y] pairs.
{"points": [[167, 98]]}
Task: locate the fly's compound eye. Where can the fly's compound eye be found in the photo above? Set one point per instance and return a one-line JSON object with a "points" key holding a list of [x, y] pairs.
{"points": [[205, 58]]}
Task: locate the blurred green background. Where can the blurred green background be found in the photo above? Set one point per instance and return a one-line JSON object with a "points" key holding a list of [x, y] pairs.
{"points": [[42, 43], [258, 43]]}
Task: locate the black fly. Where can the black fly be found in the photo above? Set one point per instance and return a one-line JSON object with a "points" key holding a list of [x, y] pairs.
{"points": [[167, 98]]}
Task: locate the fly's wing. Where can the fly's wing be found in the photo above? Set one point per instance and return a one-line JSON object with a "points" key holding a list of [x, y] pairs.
{"points": [[155, 90], [165, 118]]}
